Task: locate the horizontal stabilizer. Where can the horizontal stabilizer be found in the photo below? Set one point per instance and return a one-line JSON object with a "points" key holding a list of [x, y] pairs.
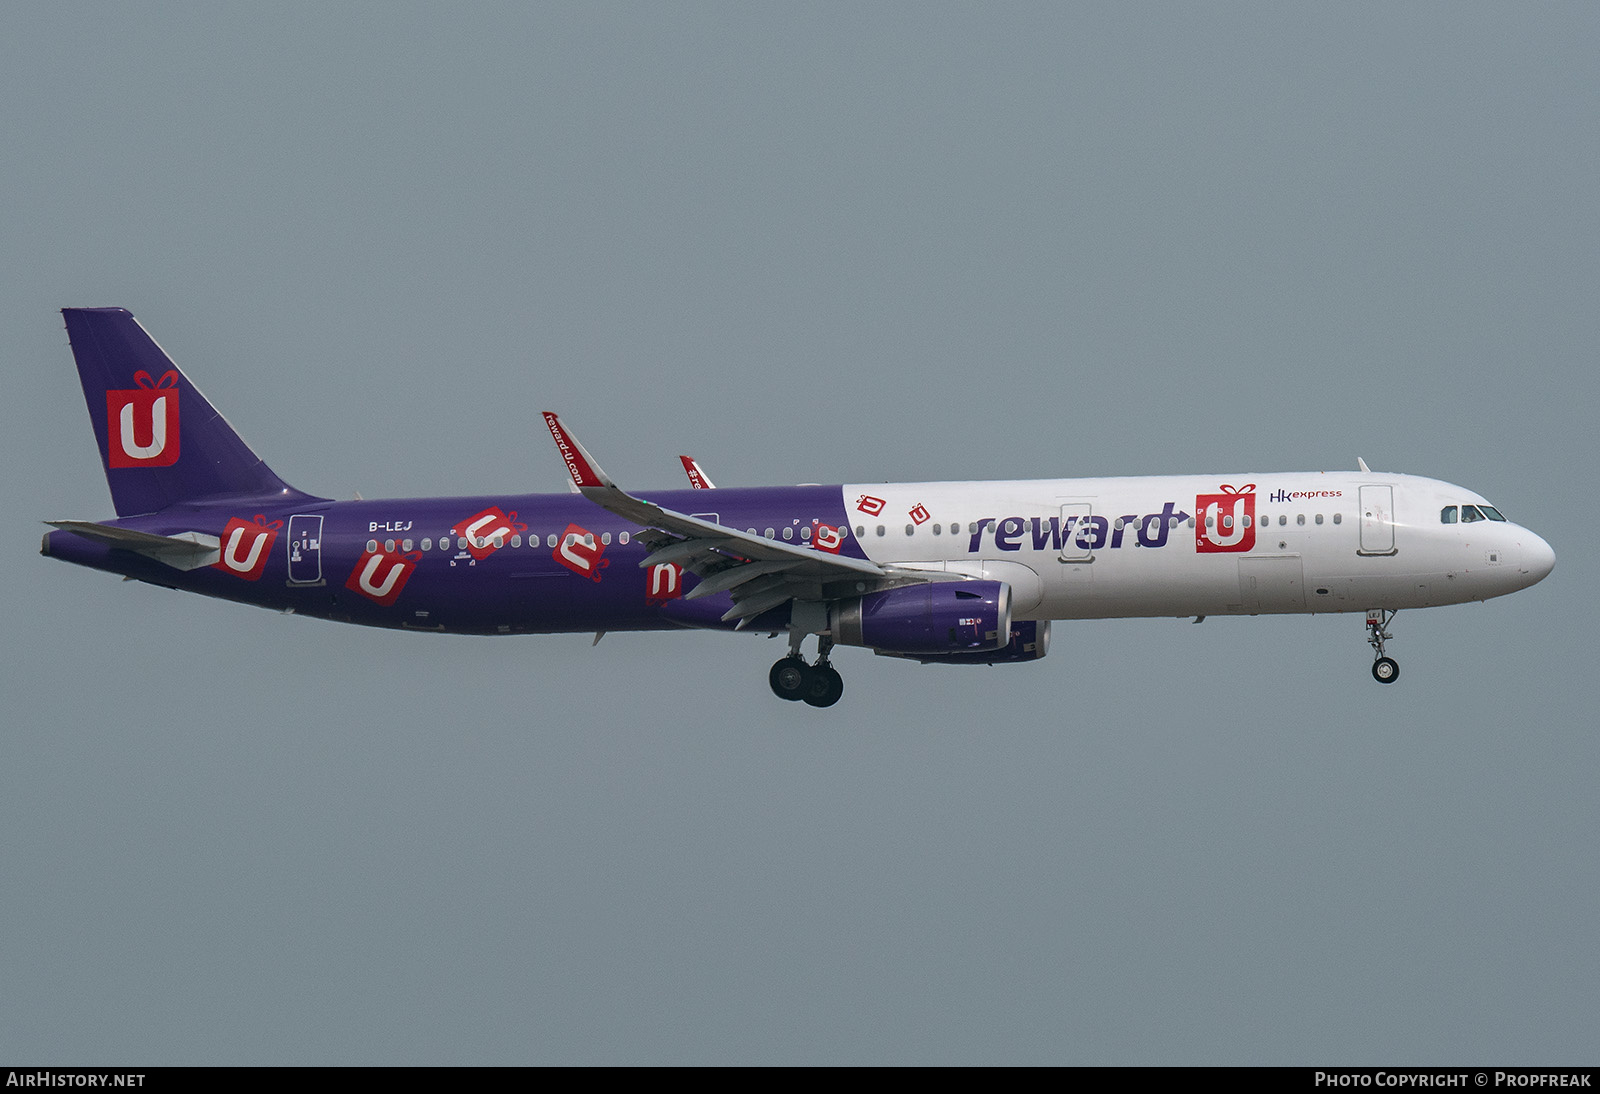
{"points": [[185, 551]]}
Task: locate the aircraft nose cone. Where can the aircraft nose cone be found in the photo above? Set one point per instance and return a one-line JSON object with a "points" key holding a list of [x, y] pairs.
{"points": [[1538, 559]]}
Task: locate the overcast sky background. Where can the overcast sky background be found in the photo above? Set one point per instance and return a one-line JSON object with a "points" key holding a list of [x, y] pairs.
{"points": [[806, 243]]}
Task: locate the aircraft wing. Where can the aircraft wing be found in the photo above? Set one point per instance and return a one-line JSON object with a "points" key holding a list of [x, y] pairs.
{"points": [[760, 574]]}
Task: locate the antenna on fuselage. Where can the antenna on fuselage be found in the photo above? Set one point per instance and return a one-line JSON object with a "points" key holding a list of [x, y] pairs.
{"points": [[1361, 465]]}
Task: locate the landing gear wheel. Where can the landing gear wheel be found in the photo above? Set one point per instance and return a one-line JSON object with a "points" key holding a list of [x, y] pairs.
{"points": [[825, 687], [791, 679], [1384, 668]]}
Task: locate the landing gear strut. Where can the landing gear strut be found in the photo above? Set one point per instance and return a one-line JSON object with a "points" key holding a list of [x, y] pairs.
{"points": [[818, 685], [1385, 670]]}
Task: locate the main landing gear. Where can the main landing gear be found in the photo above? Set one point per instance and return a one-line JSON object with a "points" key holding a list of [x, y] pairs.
{"points": [[819, 684], [1385, 670]]}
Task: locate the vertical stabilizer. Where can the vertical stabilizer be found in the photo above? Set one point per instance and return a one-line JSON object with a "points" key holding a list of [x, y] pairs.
{"points": [[161, 442]]}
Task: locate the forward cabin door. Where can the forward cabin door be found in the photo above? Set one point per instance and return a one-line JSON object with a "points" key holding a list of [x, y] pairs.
{"points": [[1377, 520]]}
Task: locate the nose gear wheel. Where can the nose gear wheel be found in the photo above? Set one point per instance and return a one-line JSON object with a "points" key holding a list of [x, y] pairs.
{"points": [[1385, 669]]}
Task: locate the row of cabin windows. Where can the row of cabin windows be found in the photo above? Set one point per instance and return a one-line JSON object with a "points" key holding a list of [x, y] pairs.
{"points": [[550, 540], [1469, 513], [788, 533], [1211, 522], [460, 543]]}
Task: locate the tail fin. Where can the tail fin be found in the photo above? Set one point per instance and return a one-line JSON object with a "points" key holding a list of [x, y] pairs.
{"points": [[161, 442]]}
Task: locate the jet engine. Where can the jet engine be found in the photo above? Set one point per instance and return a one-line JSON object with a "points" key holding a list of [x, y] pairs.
{"points": [[937, 619]]}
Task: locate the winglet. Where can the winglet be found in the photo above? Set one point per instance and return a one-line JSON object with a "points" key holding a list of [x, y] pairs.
{"points": [[581, 465], [697, 478]]}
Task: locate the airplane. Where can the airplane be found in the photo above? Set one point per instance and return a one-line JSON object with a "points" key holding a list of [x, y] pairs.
{"points": [[944, 573]]}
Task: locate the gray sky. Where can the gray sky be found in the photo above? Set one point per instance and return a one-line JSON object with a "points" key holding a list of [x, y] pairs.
{"points": [[806, 243]]}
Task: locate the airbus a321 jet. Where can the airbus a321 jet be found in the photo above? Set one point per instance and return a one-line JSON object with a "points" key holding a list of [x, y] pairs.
{"points": [[946, 573]]}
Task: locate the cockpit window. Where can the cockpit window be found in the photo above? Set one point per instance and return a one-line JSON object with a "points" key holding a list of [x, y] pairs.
{"points": [[1447, 515], [1491, 512], [1469, 513]]}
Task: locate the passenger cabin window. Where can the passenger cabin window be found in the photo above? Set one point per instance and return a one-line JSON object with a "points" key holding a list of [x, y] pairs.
{"points": [[1337, 518], [1447, 515]]}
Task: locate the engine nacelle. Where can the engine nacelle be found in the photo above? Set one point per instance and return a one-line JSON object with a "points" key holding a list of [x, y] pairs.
{"points": [[1029, 642], [939, 618]]}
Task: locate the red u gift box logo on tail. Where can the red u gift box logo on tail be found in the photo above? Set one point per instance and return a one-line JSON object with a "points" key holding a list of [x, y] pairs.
{"points": [[1226, 521], [142, 422], [579, 551], [246, 545], [380, 575], [487, 532]]}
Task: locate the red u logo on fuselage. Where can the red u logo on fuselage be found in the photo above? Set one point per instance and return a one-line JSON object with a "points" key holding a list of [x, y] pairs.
{"points": [[246, 545], [1225, 521], [578, 552], [380, 575], [666, 583]]}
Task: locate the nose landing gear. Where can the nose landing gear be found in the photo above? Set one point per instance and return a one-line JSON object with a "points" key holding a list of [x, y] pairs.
{"points": [[1385, 670]]}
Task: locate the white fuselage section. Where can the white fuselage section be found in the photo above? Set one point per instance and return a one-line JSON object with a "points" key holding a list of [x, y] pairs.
{"points": [[1203, 545]]}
